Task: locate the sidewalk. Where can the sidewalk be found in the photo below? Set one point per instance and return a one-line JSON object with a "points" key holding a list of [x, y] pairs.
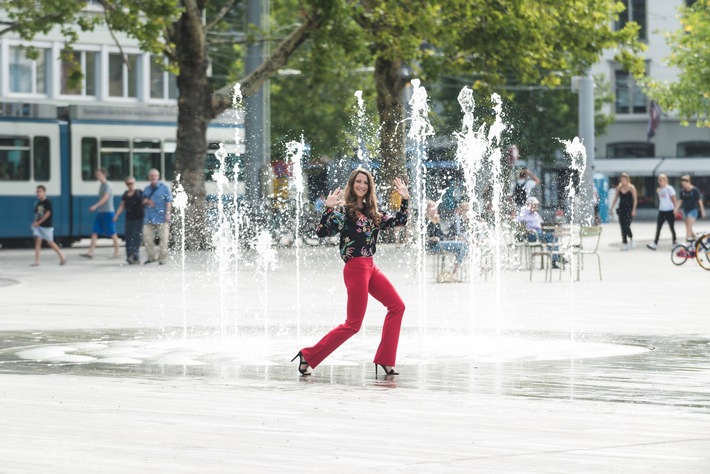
{"points": [[506, 376]]}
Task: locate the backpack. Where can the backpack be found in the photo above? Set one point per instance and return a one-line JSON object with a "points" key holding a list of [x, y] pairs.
{"points": [[520, 196]]}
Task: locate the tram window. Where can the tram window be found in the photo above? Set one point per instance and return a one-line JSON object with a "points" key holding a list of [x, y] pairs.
{"points": [[40, 158], [115, 157], [169, 157], [146, 156], [89, 158], [14, 159]]}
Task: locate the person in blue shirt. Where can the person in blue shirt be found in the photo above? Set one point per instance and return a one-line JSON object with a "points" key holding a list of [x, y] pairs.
{"points": [[158, 202]]}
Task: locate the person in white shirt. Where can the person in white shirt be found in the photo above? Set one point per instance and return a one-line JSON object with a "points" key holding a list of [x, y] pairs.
{"points": [[666, 206]]}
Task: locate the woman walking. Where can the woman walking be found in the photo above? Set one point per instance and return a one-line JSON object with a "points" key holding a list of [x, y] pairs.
{"points": [[626, 195], [359, 223], [666, 206], [692, 204]]}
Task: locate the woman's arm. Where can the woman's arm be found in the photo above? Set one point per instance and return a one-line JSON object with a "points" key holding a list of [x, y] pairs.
{"points": [[634, 195]]}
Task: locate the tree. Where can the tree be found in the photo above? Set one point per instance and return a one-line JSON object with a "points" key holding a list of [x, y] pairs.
{"points": [[690, 53], [178, 30], [498, 42]]}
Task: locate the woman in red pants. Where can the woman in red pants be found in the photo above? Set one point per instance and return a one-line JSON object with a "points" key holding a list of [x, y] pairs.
{"points": [[359, 223]]}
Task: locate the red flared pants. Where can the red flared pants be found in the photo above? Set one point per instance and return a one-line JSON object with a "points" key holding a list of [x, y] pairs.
{"points": [[361, 277]]}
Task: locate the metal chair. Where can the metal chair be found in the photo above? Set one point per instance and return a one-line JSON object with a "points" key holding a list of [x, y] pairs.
{"points": [[591, 235]]}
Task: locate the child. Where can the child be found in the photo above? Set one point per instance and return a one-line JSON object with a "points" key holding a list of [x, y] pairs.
{"points": [[42, 228]]}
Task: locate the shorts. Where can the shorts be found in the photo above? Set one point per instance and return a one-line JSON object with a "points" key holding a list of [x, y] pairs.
{"points": [[44, 233], [692, 213], [104, 225]]}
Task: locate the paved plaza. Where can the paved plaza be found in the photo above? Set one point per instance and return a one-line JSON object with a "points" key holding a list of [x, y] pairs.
{"points": [[110, 368]]}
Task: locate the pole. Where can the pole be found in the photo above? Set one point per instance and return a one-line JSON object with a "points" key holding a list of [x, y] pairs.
{"points": [[586, 134], [257, 120]]}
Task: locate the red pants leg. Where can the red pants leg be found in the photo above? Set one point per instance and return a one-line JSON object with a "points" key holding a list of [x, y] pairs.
{"points": [[356, 274], [383, 291]]}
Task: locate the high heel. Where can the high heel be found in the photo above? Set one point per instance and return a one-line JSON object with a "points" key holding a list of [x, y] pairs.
{"points": [[390, 372], [301, 363]]}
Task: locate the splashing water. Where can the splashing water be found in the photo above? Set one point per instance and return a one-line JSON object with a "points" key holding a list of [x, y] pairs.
{"points": [[419, 131], [479, 155], [267, 261], [363, 157], [294, 156], [180, 204]]}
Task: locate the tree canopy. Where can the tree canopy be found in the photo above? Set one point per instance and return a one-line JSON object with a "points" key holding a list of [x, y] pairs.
{"points": [[689, 95]]}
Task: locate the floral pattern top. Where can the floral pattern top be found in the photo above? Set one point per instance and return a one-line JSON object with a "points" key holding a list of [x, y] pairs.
{"points": [[358, 238]]}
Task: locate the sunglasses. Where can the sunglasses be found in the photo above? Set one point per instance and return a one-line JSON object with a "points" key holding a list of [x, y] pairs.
{"points": [[131, 182]]}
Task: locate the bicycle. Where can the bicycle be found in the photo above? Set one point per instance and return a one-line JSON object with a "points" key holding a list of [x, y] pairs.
{"points": [[698, 249], [702, 251]]}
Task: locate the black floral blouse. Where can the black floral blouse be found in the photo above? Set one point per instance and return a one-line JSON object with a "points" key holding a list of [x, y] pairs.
{"points": [[358, 238]]}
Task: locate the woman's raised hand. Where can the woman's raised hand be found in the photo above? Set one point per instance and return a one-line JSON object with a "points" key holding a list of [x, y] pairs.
{"points": [[401, 188], [335, 198]]}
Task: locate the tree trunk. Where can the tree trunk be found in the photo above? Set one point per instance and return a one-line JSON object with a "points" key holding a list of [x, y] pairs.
{"points": [[194, 115], [390, 85]]}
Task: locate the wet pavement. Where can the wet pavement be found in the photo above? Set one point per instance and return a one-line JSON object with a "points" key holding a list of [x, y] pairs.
{"points": [[113, 368]]}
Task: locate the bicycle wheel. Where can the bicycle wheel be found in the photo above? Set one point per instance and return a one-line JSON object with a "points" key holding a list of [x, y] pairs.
{"points": [[702, 251], [680, 254]]}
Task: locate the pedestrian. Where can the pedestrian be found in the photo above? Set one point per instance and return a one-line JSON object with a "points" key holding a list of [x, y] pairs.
{"points": [[523, 187], [132, 203], [103, 222], [628, 199], [158, 202], [666, 208], [42, 227], [359, 222], [691, 201], [319, 203]]}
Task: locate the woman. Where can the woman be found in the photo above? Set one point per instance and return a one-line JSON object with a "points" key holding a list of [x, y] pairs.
{"points": [[132, 203], [666, 206], [437, 242], [359, 223], [627, 197], [692, 204]]}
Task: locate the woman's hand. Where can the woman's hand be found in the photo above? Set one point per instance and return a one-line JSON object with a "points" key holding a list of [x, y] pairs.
{"points": [[335, 198], [401, 188]]}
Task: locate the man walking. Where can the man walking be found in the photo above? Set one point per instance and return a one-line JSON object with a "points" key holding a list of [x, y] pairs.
{"points": [[42, 227], [158, 202], [103, 222]]}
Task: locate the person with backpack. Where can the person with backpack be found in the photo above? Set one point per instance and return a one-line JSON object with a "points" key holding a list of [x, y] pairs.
{"points": [[523, 187]]}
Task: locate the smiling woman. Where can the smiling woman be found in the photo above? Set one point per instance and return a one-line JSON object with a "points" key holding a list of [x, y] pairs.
{"points": [[353, 213]]}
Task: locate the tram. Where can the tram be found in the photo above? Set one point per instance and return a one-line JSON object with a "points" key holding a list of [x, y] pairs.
{"points": [[61, 148]]}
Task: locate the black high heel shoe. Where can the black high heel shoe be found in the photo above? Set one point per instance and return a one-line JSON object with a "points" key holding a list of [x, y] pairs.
{"points": [[390, 372], [301, 363]]}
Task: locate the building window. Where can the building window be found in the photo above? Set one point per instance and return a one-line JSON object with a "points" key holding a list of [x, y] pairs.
{"points": [[87, 61], [163, 84], [123, 75], [693, 149], [631, 150], [635, 11], [28, 76], [629, 97]]}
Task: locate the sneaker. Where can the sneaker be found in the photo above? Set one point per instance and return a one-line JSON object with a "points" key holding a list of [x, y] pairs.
{"points": [[652, 246], [624, 247], [632, 245]]}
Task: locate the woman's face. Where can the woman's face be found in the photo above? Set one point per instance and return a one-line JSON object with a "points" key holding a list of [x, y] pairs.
{"points": [[624, 180], [361, 185], [662, 181]]}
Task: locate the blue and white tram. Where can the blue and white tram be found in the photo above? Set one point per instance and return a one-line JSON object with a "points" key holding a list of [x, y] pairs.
{"points": [[61, 148]]}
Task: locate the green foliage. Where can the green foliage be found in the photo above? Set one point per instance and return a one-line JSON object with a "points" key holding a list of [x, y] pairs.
{"points": [[690, 53]]}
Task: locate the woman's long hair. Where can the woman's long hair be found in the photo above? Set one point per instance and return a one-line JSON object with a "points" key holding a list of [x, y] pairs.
{"points": [[369, 202]]}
